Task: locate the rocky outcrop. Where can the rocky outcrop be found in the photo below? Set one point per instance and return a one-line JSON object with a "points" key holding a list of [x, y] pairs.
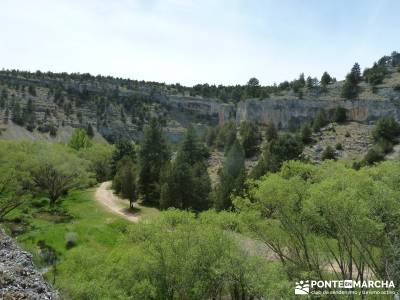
{"points": [[18, 277], [294, 111]]}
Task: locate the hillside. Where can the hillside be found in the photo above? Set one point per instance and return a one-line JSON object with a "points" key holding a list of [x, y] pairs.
{"points": [[114, 107]]}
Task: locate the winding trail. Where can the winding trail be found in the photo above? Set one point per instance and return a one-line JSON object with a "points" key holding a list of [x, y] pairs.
{"points": [[106, 197]]}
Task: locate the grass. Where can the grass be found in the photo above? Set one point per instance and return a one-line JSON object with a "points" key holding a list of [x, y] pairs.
{"points": [[79, 216]]}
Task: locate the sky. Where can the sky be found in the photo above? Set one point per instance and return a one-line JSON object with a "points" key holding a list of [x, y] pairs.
{"points": [[197, 41]]}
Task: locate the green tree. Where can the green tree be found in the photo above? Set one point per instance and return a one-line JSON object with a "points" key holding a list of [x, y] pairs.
{"points": [[285, 147], [123, 148], [79, 139], [271, 132], [350, 89], [124, 181], [253, 87], [99, 157], [185, 182], [250, 138], [191, 150], [306, 132], [325, 79], [32, 90], [340, 114], [386, 128], [328, 153], [286, 213], [16, 114], [90, 131], [320, 120], [232, 176], [226, 136], [57, 171], [153, 155], [15, 187]]}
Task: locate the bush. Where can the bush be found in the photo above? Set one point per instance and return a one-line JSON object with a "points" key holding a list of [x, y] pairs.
{"points": [[339, 146], [340, 115], [71, 239], [320, 120], [397, 88], [40, 203], [386, 129], [385, 146], [305, 133], [328, 153], [373, 155]]}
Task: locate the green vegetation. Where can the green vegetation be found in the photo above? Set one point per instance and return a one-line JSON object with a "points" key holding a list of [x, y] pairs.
{"points": [[250, 138], [306, 132], [320, 120], [79, 139], [124, 182], [153, 155], [385, 135], [185, 183], [275, 152], [232, 177], [329, 153], [161, 259], [298, 212], [350, 88], [327, 222]]}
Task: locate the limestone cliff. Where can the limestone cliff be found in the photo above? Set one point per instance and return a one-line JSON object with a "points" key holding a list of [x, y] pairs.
{"points": [[294, 111]]}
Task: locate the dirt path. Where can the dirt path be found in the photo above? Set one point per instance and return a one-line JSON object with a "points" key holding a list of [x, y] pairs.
{"points": [[105, 196]]}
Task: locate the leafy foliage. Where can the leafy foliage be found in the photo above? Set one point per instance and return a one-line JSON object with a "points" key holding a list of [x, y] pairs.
{"points": [[79, 139], [315, 218]]}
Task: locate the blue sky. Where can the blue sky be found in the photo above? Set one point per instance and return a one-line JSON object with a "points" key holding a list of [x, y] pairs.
{"points": [[188, 41]]}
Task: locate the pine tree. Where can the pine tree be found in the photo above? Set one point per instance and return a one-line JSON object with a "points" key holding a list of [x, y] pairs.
{"points": [[16, 114], [250, 137], [271, 133], [123, 148], [350, 89], [328, 153], [191, 150], [90, 131], [232, 177], [124, 181], [153, 155], [320, 120], [305, 133], [185, 181], [326, 79]]}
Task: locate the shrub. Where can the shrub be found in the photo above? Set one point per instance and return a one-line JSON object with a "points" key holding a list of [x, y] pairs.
{"points": [[328, 153], [305, 133], [397, 88], [386, 129], [71, 239], [373, 155], [385, 145], [340, 115], [339, 146], [320, 120]]}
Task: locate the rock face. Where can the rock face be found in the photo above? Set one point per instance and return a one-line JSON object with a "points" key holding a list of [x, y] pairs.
{"points": [[18, 277], [294, 111]]}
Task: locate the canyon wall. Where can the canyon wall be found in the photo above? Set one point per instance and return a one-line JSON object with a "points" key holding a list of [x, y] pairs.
{"points": [[283, 113]]}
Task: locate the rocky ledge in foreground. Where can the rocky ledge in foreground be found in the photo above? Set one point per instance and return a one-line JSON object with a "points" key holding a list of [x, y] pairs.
{"points": [[19, 278]]}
